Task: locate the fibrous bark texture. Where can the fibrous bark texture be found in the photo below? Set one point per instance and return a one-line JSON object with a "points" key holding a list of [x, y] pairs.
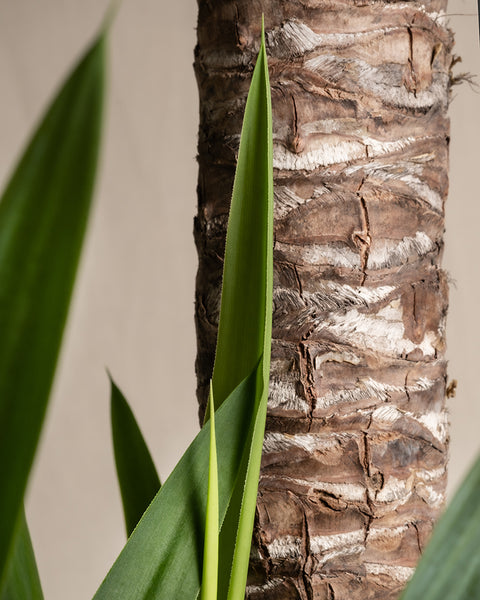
{"points": [[354, 462]]}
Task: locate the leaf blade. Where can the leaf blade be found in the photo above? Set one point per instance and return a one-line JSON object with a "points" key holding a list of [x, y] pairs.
{"points": [[243, 332], [22, 580], [39, 251], [248, 262], [136, 472], [240, 388], [170, 534], [210, 554], [450, 566]]}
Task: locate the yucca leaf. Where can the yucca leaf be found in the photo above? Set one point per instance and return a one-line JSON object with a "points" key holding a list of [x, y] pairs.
{"points": [[22, 580], [244, 336], [163, 557], [43, 215], [244, 332], [137, 476], [210, 553], [450, 566]]}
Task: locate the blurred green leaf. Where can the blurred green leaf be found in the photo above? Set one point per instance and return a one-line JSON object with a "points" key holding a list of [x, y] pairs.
{"points": [[43, 215], [450, 566], [210, 554], [136, 471], [22, 580]]}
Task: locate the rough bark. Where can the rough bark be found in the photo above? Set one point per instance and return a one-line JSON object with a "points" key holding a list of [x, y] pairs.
{"points": [[354, 463]]}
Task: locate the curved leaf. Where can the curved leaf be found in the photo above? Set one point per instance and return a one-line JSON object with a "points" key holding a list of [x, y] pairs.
{"points": [[22, 581], [137, 476], [43, 215], [450, 566]]}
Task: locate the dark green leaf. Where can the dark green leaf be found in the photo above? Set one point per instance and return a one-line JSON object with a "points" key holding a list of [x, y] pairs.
{"points": [[244, 332], [43, 215], [136, 472], [245, 328], [450, 566], [22, 581]]}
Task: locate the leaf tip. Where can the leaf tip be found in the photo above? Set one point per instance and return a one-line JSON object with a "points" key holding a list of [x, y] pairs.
{"points": [[117, 399], [110, 16], [113, 385]]}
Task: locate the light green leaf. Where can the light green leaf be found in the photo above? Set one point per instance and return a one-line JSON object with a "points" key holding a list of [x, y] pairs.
{"points": [[163, 557], [43, 215], [22, 581], [450, 566], [136, 471], [210, 553]]}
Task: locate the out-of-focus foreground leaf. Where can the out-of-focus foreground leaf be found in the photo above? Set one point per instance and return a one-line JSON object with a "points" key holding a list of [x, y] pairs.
{"points": [[450, 566], [137, 476], [245, 328], [210, 553], [22, 580], [43, 215], [163, 557]]}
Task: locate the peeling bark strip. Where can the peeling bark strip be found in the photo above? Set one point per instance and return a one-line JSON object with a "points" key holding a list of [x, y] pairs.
{"points": [[354, 461]]}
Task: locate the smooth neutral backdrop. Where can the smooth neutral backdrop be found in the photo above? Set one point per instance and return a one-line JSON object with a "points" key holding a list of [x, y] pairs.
{"points": [[133, 305]]}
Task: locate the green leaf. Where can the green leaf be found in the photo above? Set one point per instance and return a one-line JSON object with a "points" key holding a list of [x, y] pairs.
{"points": [[244, 332], [163, 557], [43, 215], [450, 566], [22, 581], [210, 553], [136, 471], [245, 329]]}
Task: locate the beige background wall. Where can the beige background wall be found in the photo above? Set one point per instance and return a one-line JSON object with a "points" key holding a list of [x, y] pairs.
{"points": [[134, 298]]}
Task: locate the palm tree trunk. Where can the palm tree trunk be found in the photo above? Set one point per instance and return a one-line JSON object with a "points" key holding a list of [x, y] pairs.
{"points": [[354, 464]]}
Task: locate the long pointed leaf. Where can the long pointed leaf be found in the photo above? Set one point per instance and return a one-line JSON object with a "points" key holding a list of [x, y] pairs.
{"points": [[450, 566], [137, 476], [244, 336], [244, 330], [170, 534], [210, 554], [43, 215], [22, 581], [163, 557]]}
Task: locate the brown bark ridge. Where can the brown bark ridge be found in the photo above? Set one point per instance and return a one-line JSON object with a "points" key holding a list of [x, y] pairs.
{"points": [[354, 463]]}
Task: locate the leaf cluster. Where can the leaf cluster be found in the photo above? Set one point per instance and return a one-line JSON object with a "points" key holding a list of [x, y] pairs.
{"points": [[202, 516]]}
